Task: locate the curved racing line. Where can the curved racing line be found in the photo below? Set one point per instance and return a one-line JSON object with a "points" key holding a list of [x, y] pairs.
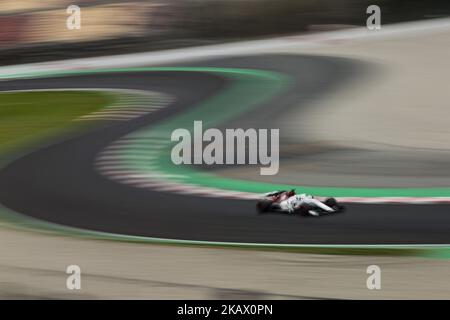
{"points": [[119, 220]]}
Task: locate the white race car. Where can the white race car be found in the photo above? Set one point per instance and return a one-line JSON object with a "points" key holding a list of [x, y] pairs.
{"points": [[290, 202]]}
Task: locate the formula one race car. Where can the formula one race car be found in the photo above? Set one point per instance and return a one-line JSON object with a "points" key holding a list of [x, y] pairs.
{"points": [[290, 202]]}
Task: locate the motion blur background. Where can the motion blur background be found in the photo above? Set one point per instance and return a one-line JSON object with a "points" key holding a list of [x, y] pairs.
{"points": [[377, 127], [31, 30]]}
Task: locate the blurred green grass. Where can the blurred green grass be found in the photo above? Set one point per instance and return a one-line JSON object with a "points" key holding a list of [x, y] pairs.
{"points": [[27, 118]]}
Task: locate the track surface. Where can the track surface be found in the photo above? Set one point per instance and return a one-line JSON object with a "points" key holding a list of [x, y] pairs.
{"points": [[59, 184]]}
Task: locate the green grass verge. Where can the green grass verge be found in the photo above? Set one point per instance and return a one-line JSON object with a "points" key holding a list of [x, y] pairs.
{"points": [[27, 118]]}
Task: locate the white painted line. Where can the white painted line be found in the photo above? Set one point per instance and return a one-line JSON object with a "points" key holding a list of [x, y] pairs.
{"points": [[98, 119], [122, 111]]}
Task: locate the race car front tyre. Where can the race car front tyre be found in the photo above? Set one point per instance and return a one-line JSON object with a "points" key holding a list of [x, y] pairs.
{"points": [[331, 202]]}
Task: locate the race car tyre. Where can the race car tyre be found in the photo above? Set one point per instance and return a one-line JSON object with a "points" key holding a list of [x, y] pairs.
{"points": [[304, 210], [263, 206], [331, 202]]}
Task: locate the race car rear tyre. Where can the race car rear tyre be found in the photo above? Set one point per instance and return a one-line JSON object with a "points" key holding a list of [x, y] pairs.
{"points": [[263, 206], [304, 210]]}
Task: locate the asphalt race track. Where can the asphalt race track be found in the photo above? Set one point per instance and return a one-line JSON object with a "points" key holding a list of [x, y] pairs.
{"points": [[59, 184]]}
